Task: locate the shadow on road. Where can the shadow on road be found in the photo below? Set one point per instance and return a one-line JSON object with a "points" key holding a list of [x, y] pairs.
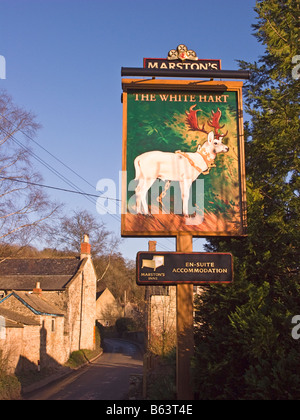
{"points": [[109, 377]]}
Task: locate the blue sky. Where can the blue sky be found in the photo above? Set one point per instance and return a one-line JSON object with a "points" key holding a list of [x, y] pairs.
{"points": [[63, 63]]}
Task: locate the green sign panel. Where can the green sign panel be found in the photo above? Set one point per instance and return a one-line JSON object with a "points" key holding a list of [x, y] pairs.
{"points": [[183, 160]]}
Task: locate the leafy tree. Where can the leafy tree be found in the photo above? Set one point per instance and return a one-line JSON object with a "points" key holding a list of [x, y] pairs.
{"points": [[244, 345]]}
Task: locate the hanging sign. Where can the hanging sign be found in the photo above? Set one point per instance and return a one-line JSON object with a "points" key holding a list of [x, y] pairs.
{"points": [[183, 154], [183, 158], [171, 268]]}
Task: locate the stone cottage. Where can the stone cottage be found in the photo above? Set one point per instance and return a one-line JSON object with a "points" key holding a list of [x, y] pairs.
{"points": [[107, 308], [47, 307]]}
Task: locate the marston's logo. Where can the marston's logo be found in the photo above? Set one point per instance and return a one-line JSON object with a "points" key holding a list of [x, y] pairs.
{"points": [[182, 58], [182, 53]]}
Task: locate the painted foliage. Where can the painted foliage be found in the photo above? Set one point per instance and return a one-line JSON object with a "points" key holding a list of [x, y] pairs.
{"points": [[198, 133]]}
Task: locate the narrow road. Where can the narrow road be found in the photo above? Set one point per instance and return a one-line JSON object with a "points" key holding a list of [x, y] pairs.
{"points": [[107, 378]]}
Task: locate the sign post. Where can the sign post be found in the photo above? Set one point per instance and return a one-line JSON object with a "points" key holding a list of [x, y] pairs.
{"points": [[185, 326]]}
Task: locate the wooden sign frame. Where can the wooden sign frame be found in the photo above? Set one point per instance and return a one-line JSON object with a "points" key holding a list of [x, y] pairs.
{"points": [[223, 187]]}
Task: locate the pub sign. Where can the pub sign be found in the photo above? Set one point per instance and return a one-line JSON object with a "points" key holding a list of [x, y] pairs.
{"points": [[183, 158]]}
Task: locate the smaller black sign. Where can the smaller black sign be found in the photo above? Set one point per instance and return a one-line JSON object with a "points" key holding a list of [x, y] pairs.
{"points": [[171, 268]]}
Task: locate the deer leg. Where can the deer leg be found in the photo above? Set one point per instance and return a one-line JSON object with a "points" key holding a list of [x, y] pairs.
{"points": [[138, 192], [146, 186], [185, 186]]}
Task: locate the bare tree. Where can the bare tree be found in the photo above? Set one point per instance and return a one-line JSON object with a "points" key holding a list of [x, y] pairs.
{"points": [[67, 233], [23, 206]]}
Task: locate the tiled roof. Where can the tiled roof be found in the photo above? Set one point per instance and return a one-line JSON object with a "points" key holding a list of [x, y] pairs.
{"points": [[23, 273], [15, 319], [38, 303]]}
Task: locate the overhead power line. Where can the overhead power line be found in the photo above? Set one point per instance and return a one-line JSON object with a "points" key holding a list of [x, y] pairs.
{"points": [[57, 188], [49, 153], [54, 171]]}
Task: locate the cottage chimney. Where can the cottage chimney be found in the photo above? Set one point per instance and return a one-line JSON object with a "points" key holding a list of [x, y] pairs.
{"points": [[85, 247], [37, 290], [152, 246]]}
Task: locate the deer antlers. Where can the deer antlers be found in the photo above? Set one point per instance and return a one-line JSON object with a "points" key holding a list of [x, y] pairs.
{"points": [[192, 121], [214, 122]]}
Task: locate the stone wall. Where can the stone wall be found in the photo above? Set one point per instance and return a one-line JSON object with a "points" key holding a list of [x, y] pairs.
{"points": [[51, 339], [11, 349], [82, 309], [162, 322]]}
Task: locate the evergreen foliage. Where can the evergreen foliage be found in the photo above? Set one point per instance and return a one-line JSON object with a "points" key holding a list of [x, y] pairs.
{"points": [[244, 346]]}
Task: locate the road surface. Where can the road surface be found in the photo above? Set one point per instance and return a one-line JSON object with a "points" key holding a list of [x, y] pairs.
{"points": [[106, 378]]}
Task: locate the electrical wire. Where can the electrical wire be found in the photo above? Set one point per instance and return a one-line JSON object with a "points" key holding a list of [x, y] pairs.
{"points": [[55, 172], [57, 188], [55, 157], [49, 153]]}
